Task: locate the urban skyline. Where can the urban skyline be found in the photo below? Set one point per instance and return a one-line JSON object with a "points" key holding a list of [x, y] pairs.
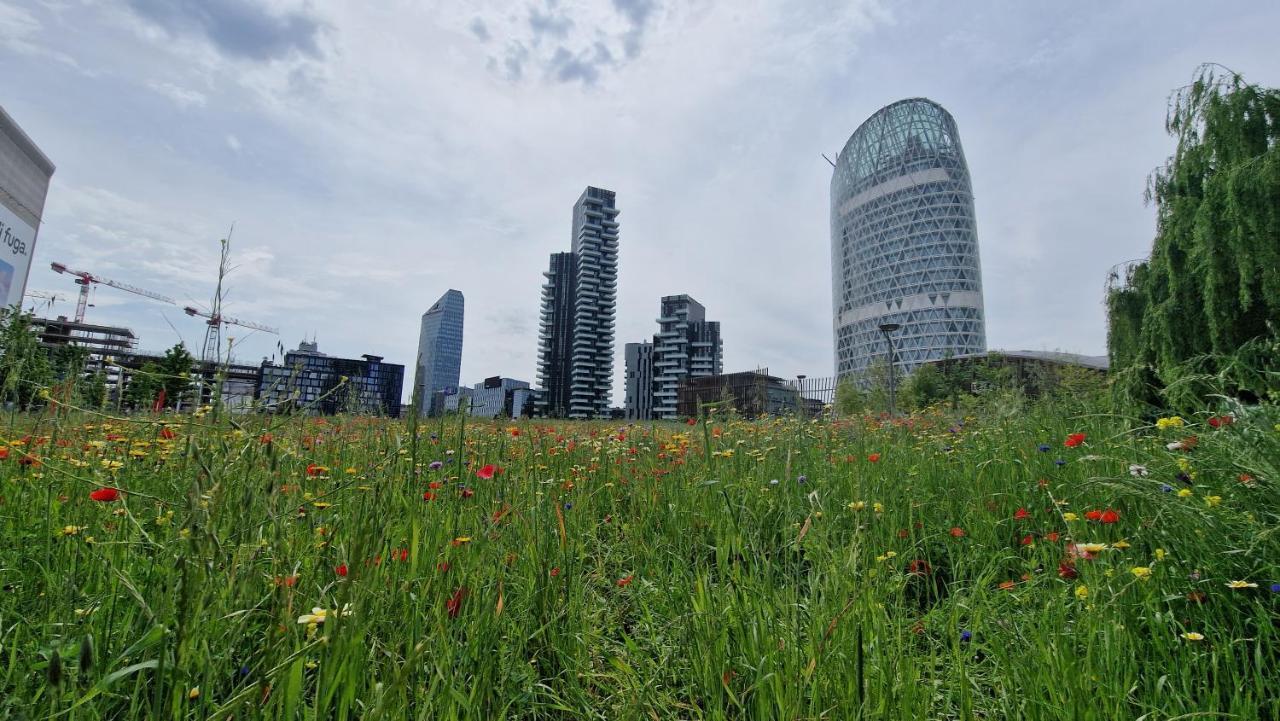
{"points": [[313, 137]]}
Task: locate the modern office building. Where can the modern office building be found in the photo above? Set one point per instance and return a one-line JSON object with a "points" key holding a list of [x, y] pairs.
{"points": [[904, 246], [314, 383], [439, 351], [639, 401], [750, 393], [575, 343], [687, 345], [499, 397], [24, 185]]}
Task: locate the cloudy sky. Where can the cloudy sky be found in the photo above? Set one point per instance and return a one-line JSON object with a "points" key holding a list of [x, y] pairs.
{"points": [[374, 154]]}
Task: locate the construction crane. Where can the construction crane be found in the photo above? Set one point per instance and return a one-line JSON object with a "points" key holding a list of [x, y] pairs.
{"points": [[215, 321], [49, 298], [84, 279]]}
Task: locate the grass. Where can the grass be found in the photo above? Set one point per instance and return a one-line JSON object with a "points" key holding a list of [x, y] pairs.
{"points": [[781, 569]]}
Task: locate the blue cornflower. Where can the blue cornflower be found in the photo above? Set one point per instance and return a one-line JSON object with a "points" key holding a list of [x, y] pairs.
{"points": [[568, 506], [435, 465], [1059, 462], [1275, 588], [1043, 447], [1184, 477], [1166, 488], [802, 478], [244, 670], [965, 635]]}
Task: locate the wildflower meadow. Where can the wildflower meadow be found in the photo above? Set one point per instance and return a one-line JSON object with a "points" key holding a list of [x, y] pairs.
{"points": [[1039, 565]]}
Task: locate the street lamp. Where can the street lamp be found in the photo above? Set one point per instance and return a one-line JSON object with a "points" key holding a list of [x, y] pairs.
{"points": [[888, 328], [800, 409]]}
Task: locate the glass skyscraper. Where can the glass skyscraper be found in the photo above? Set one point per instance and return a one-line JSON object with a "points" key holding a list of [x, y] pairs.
{"points": [[439, 352], [575, 343], [904, 247]]}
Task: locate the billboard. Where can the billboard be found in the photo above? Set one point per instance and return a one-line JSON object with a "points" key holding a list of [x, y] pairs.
{"points": [[18, 241]]}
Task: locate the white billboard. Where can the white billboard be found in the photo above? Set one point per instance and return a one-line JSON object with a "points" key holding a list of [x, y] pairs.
{"points": [[17, 243]]}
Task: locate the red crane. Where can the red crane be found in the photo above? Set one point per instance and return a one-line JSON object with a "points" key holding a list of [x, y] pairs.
{"points": [[84, 279], [215, 321]]}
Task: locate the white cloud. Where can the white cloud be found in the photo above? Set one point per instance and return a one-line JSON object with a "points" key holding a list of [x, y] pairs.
{"points": [[182, 97]]}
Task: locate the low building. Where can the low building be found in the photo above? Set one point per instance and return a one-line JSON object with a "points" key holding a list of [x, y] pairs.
{"points": [[311, 382], [1030, 370], [750, 393]]}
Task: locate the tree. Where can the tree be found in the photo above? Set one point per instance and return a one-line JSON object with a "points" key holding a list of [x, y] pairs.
{"points": [[1212, 282], [850, 400], [144, 386], [24, 365], [175, 375], [924, 387]]}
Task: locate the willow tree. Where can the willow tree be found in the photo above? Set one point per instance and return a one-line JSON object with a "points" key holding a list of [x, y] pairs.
{"points": [[1212, 283]]}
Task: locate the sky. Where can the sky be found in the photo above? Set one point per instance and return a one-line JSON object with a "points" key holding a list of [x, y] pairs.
{"points": [[372, 155]]}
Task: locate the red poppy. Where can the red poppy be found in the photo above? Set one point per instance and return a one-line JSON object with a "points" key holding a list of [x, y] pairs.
{"points": [[435, 485], [341, 570], [1074, 440], [467, 493], [957, 532], [4, 453], [692, 421], [1027, 540], [515, 432], [874, 457], [1094, 515], [454, 604], [555, 572], [1051, 536], [1021, 515], [1067, 571], [105, 495], [1109, 516], [167, 433], [286, 581], [487, 472], [428, 496], [443, 567], [265, 438], [316, 470], [28, 460], [1220, 421], [402, 554], [902, 533], [625, 581], [1007, 585]]}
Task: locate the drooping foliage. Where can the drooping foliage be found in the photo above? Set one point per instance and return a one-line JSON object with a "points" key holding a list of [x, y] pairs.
{"points": [[1212, 283]]}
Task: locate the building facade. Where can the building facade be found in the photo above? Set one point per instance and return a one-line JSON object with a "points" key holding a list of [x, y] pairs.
{"points": [[575, 342], [639, 401], [439, 351], [687, 345], [499, 397], [904, 244], [750, 393], [314, 383], [24, 185]]}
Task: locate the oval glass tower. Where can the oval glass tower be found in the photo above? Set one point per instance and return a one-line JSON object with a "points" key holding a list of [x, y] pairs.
{"points": [[904, 247]]}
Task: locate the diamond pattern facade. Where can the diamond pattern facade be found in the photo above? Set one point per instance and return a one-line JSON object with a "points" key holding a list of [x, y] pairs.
{"points": [[904, 246]]}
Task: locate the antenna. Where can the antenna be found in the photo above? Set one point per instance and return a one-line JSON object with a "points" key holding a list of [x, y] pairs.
{"points": [[824, 157]]}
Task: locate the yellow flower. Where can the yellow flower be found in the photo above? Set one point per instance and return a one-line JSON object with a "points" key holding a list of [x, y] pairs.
{"points": [[1120, 545], [1241, 584], [1082, 592], [1212, 501], [1169, 422], [462, 539], [194, 693], [857, 505], [72, 530], [1093, 547], [315, 618], [1160, 554], [110, 464], [1141, 572], [1184, 493], [877, 507], [1193, 636], [322, 504], [1069, 516], [887, 555], [351, 471]]}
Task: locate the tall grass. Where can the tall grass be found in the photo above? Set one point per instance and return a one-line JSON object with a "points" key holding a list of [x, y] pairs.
{"points": [[728, 570]]}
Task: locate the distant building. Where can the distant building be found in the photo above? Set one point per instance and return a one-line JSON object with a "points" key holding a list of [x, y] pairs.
{"points": [[24, 185], [439, 351], [575, 343], [639, 399], [1032, 371], [499, 397], [311, 382], [687, 345], [904, 244], [751, 394]]}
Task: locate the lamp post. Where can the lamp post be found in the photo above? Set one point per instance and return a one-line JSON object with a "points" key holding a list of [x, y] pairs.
{"points": [[800, 409], [888, 328]]}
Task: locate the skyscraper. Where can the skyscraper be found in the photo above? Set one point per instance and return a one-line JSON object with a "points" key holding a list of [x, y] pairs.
{"points": [[904, 247], [639, 401], [439, 351], [575, 344], [687, 345]]}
